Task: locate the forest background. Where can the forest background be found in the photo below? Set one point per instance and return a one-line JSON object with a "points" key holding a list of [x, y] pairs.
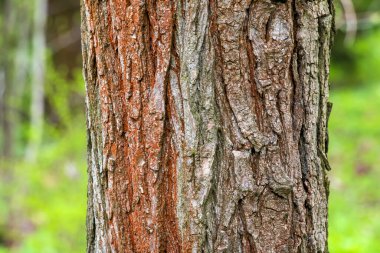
{"points": [[43, 128]]}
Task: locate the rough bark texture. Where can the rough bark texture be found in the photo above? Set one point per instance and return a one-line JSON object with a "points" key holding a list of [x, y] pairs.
{"points": [[207, 125]]}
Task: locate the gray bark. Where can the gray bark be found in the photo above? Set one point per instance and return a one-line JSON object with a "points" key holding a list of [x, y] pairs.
{"points": [[207, 125]]}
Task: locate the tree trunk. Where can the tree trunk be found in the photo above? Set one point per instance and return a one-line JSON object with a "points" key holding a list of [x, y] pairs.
{"points": [[14, 70], [37, 78], [207, 125]]}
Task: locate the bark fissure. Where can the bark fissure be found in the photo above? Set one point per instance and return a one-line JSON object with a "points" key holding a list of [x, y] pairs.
{"points": [[207, 125]]}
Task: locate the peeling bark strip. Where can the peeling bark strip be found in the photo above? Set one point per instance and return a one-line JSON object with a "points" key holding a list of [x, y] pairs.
{"points": [[207, 125]]}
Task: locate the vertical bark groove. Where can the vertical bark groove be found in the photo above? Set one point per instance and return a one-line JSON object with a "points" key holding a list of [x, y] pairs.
{"points": [[207, 125]]}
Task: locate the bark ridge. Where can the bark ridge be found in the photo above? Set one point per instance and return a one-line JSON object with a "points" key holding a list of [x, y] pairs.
{"points": [[207, 125]]}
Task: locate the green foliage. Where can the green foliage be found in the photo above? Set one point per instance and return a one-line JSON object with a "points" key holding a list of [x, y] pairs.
{"points": [[43, 203], [49, 196], [64, 98], [354, 217], [56, 196], [353, 64], [367, 51]]}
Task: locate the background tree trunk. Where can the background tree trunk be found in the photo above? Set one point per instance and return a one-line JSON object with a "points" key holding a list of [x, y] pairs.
{"points": [[207, 125], [37, 78], [16, 29], [22, 71]]}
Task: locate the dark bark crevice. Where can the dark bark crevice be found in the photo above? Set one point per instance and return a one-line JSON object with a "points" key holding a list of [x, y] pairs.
{"points": [[209, 119]]}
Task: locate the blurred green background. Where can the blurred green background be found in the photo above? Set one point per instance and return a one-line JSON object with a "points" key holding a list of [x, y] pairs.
{"points": [[43, 136]]}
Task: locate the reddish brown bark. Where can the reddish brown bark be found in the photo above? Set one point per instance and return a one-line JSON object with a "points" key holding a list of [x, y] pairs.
{"points": [[131, 48], [207, 125]]}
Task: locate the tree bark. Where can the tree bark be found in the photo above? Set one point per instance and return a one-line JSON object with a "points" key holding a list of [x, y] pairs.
{"points": [[207, 125]]}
